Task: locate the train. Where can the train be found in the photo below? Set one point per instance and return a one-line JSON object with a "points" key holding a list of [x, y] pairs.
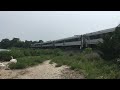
{"points": [[81, 41]]}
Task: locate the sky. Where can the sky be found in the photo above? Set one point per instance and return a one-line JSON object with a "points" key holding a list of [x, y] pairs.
{"points": [[53, 25]]}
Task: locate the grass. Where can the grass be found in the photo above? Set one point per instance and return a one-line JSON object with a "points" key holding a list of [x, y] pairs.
{"points": [[88, 62], [28, 61], [22, 52]]}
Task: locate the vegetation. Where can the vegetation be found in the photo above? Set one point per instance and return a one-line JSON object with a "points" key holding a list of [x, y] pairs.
{"points": [[94, 65], [25, 62], [16, 42], [22, 52], [90, 64], [5, 56], [87, 62], [110, 48]]}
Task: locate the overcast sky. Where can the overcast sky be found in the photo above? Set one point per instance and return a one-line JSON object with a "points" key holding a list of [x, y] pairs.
{"points": [[52, 25]]}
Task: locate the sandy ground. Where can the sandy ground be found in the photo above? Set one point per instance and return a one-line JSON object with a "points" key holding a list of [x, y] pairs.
{"points": [[41, 71]]}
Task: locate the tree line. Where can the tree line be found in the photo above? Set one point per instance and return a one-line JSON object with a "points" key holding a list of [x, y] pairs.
{"points": [[16, 42]]}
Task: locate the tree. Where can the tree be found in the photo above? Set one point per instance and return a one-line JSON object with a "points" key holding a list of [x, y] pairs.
{"points": [[110, 47], [16, 42], [5, 43], [40, 41], [27, 44]]}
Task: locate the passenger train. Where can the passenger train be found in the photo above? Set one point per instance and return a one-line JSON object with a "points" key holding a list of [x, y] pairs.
{"points": [[85, 40]]}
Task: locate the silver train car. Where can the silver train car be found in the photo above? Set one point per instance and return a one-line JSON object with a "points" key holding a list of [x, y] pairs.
{"points": [[84, 40]]}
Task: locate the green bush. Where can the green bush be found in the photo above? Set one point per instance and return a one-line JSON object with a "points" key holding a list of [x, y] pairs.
{"points": [[110, 47], [17, 66], [25, 62], [17, 53], [27, 52], [92, 56], [71, 54], [21, 52], [58, 52], [5, 56], [87, 50]]}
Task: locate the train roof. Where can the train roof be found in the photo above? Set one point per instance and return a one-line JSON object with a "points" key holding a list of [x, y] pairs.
{"points": [[75, 36], [87, 34], [100, 32]]}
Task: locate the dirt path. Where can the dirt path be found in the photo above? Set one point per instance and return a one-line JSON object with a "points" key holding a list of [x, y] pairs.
{"points": [[41, 71]]}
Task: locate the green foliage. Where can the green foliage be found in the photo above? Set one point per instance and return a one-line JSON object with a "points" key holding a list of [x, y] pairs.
{"points": [[16, 53], [110, 47], [21, 52], [57, 52], [17, 66], [5, 56], [16, 42], [71, 54], [25, 62], [90, 64], [92, 56], [27, 52], [87, 62], [5, 43], [87, 50]]}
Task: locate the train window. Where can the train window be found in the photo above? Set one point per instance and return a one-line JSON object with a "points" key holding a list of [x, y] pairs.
{"points": [[104, 34], [70, 40], [47, 43], [96, 36], [36, 44], [76, 39], [59, 41], [92, 37]]}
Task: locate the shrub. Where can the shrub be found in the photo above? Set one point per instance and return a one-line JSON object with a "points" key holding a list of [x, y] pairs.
{"points": [[5, 56], [27, 52], [71, 54], [25, 62], [17, 53], [92, 56], [110, 45], [17, 66], [58, 52], [87, 50]]}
